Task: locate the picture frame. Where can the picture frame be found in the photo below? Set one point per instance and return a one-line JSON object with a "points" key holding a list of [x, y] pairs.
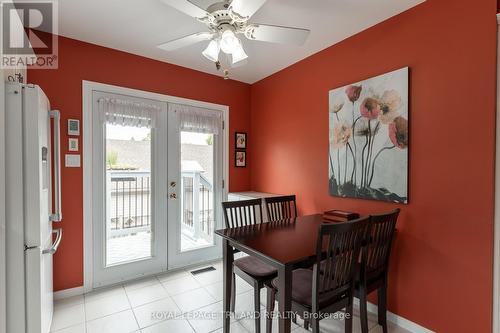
{"points": [[73, 127], [240, 158], [72, 144], [240, 139]]}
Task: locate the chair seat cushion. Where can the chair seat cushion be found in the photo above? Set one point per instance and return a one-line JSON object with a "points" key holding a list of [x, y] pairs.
{"points": [[255, 267], [302, 280]]}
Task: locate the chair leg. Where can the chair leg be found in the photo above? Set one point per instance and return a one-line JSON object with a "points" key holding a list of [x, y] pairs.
{"points": [[306, 324], [363, 311], [256, 299], [348, 318], [271, 300], [315, 324], [233, 293], [382, 307]]}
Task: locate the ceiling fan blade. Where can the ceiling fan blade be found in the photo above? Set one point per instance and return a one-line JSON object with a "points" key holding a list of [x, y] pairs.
{"points": [[246, 8], [187, 7], [276, 34], [185, 41]]}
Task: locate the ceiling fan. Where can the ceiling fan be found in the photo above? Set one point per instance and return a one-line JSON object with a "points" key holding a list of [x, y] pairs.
{"points": [[225, 21]]}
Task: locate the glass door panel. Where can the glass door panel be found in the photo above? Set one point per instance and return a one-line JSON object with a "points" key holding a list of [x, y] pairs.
{"points": [[128, 194], [197, 191]]}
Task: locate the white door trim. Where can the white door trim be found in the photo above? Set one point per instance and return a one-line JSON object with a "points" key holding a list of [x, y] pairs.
{"points": [[87, 88], [496, 247]]}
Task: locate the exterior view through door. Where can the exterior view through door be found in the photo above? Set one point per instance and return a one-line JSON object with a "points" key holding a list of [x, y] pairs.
{"points": [[156, 185]]}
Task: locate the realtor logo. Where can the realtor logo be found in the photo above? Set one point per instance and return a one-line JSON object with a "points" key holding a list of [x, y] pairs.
{"points": [[29, 34]]}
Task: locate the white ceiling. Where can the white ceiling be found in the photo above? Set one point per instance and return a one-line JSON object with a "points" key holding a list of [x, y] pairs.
{"points": [[137, 26]]}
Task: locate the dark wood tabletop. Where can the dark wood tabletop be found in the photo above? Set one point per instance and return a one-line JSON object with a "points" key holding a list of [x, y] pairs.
{"points": [[283, 242]]}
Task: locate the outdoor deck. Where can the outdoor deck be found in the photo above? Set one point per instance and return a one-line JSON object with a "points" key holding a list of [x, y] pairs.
{"points": [[129, 217], [133, 247]]}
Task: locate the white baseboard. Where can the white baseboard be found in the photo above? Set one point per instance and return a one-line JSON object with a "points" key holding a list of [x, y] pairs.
{"points": [[397, 320], [66, 293]]}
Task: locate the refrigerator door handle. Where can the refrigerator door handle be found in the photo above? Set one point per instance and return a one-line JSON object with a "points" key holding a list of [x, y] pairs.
{"points": [[57, 215], [54, 246]]}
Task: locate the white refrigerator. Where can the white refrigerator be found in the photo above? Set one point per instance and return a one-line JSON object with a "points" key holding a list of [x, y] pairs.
{"points": [[33, 173]]}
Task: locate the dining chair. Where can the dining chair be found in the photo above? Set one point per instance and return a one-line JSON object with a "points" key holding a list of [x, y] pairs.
{"points": [[250, 269], [280, 208], [315, 294], [374, 266]]}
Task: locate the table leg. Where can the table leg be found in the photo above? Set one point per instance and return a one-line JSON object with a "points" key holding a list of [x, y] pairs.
{"points": [[228, 259], [284, 298]]}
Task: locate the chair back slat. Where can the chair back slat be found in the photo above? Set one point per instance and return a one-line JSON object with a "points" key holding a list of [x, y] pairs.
{"points": [[280, 208], [338, 247], [242, 213], [377, 252]]}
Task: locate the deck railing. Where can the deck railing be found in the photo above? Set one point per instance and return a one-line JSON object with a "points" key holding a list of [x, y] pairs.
{"points": [[129, 199], [129, 203], [197, 215]]}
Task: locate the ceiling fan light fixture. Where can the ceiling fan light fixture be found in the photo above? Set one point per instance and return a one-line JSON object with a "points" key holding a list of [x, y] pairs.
{"points": [[239, 54], [229, 42], [212, 50]]}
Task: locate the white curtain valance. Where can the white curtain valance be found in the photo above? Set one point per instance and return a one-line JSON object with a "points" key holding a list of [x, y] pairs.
{"points": [[128, 113], [195, 119]]}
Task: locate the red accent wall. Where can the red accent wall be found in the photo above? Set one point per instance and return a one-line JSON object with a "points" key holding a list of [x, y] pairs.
{"points": [[441, 270], [82, 61]]}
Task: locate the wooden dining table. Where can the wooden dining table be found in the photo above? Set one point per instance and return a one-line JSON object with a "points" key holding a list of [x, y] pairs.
{"points": [[285, 245]]}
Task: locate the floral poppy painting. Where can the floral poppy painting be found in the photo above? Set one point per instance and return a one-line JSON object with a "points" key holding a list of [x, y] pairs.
{"points": [[368, 154]]}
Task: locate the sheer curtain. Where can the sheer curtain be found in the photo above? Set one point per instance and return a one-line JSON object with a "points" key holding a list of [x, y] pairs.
{"points": [[128, 113], [199, 120]]}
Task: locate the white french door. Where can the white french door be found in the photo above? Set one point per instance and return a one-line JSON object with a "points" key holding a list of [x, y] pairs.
{"points": [[129, 228], [195, 189], [156, 186]]}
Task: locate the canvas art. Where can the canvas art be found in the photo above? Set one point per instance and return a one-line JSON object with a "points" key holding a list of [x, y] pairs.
{"points": [[368, 154]]}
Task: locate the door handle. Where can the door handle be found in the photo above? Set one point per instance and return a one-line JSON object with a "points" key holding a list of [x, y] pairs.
{"points": [[172, 184], [54, 246], [173, 196], [57, 215]]}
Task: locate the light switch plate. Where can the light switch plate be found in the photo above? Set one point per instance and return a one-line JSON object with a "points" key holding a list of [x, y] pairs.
{"points": [[72, 161]]}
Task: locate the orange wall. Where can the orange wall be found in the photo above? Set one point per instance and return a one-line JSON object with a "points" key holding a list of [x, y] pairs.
{"points": [[441, 272], [82, 61]]}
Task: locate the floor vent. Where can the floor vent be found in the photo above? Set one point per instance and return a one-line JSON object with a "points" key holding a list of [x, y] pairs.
{"points": [[203, 270]]}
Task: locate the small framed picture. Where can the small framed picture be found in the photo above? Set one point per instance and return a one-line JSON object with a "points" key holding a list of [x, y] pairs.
{"points": [[73, 144], [241, 140], [73, 127], [240, 159]]}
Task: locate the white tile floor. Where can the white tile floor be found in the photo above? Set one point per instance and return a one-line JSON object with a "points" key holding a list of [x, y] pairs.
{"points": [[181, 303]]}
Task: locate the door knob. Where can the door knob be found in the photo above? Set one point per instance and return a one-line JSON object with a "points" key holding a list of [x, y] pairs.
{"points": [[173, 196]]}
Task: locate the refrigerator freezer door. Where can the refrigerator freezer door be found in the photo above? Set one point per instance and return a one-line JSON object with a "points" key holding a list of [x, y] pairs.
{"points": [[39, 301], [37, 193]]}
